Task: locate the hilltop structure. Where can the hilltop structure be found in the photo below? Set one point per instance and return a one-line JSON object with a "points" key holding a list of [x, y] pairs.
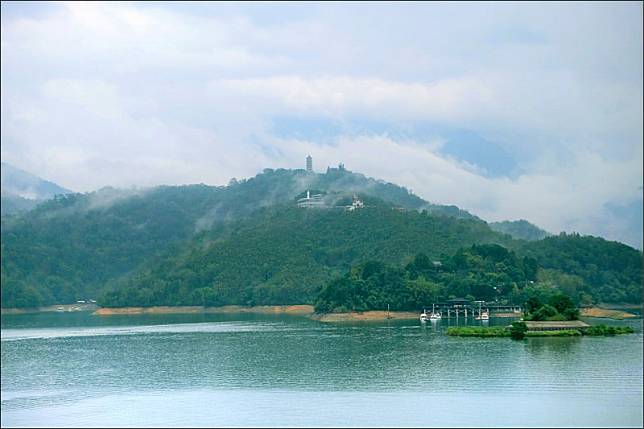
{"points": [[309, 164], [356, 203], [312, 201]]}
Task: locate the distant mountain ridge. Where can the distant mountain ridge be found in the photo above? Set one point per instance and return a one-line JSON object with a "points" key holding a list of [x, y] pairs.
{"points": [[22, 191], [26, 185]]}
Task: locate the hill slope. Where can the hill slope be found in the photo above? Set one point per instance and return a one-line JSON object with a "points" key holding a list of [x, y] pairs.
{"points": [[519, 229], [21, 191], [73, 246], [252, 242], [285, 254]]}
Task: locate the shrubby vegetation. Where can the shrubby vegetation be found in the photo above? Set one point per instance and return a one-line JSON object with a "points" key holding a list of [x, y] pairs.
{"points": [[599, 330], [558, 307], [519, 330], [478, 331]]}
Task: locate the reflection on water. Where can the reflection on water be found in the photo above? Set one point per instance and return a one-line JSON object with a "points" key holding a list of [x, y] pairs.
{"points": [[561, 346], [269, 370]]}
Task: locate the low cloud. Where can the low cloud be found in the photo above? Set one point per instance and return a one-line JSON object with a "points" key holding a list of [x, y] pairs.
{"points": [[122, 94]]}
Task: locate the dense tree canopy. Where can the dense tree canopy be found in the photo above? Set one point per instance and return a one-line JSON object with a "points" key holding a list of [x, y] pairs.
{"points": [[485, 272], [607, 271], [285, 254]]}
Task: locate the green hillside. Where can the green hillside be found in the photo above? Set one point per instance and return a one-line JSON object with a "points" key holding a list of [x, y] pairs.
{"points": [[75, 245], [249, 243], [519, 229], [284, 254], [609, 271], [485, 272]]}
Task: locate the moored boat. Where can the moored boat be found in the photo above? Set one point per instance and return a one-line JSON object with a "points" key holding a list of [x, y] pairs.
{"points": [[434, 316]]}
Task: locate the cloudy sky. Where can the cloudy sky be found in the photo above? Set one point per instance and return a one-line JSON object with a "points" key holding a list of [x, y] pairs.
{"points": [[508, 110]]}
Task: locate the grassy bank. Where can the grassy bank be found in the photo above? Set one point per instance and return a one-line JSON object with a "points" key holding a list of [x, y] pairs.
{"points": [[599, 330], [503, 331], [228, 309], [478, 331]]}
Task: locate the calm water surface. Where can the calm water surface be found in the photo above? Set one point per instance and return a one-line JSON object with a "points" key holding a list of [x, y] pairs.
{"points": [[259, 370]]}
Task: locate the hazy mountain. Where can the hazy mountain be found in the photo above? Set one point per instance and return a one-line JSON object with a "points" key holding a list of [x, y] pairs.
{"points": [[22, 191], [520, 229]]}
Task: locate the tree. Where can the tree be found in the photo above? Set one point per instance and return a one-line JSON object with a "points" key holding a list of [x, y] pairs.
{"points": [[518, 330], [544, 313], [561, 302], [533, 304]]}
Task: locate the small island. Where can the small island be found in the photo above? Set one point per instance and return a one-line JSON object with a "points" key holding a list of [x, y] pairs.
{"points": [[520, 330]]}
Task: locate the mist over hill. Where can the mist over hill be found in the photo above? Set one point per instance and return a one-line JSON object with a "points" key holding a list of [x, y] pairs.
{"points": [[21, 191], [521, 229], [248, 242]]}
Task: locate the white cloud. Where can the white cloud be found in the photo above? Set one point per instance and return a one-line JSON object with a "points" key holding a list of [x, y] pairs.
{"points": [[448, 99], [558, 198], [123, 94]]}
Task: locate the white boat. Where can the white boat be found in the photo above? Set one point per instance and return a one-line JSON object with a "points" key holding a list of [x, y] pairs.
{"points": [[483, 315], [423, 316], [434, 315]]}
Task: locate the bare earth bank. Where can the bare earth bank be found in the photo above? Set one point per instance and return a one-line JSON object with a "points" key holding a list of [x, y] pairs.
{"points": [[605, 312], [260, 309], [303, 310], [365, 315]]}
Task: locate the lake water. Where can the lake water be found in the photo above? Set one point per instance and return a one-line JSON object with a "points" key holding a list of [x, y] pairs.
{"points": [[76, 369]]}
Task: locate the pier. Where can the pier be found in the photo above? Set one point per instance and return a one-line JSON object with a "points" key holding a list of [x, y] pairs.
{"points": [[465, 308]]}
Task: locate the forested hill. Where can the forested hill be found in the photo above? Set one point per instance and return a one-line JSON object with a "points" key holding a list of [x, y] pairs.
{"points": [[608, 270], [248, 242], [71, 247], [285, 254], [520, 229]]}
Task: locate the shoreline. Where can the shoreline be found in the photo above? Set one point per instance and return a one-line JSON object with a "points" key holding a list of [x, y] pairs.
{"points": [[606, 313], [56, 308], [227, 309], [300, 310], [374, 315], [296, 309]]}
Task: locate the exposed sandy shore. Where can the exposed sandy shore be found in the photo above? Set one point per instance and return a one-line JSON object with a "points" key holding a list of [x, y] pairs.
{"points": [[604, 312], [364, 316], [264, 309], [260, 309], [510, 314], [148, 310]]}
